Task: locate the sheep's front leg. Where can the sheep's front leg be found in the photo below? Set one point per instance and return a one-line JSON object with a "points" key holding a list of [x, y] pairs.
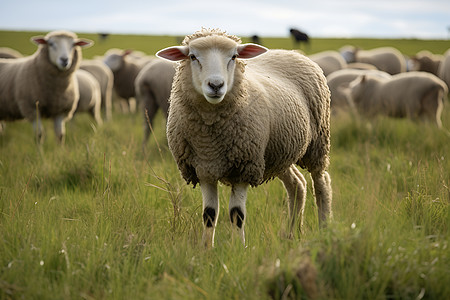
{"points": [[210, 212], [38, 129], [237, 208], [60, 128]]}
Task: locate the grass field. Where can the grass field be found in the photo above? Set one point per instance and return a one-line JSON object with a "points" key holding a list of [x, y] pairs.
{"points": [[100, 219]]}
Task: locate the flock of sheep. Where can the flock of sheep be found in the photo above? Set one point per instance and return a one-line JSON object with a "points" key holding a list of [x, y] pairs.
{"points": [[240, 114]]}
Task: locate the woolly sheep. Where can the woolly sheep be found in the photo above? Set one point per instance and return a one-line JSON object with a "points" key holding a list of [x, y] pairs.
{"points": [[329, 61], [44, 81], [245, 123], [415, 95], [105, 78], [90, 99], [444, 68], [336, 80], [153, 85], [426, 61], [6, 52], [386, 59], [125, 69]]}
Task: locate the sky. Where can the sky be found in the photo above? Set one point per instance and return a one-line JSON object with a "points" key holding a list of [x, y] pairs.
{"points": [[423, 19]]}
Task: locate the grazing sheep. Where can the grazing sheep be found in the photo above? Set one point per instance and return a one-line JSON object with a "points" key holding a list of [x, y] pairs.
{"points": [[153, 85], [6, 52], [444, 68], [43, 84], [245, 123], [105, 78], [414, 95], [386, 59], [329, 61], [336, 80], [90, 95], [125, 68], [426, 61], [361, 66], [299, 37]]}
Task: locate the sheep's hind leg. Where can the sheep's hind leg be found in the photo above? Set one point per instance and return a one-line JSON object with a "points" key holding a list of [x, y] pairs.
{"points": [[295, 185], [323, 193], [60, 128], [210, 212], [237, 209]]}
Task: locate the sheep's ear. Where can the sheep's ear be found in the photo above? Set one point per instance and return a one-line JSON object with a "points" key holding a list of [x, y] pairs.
{"points": [[84, 43], [250, 50], [174, 53], [127, 52], [39, 40]]}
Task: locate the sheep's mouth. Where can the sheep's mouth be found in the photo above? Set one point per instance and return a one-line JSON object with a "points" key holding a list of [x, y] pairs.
{"points": [[214, 98]]}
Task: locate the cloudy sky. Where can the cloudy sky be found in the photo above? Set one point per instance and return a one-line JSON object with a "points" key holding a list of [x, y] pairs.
{"points": [[427, 19]]}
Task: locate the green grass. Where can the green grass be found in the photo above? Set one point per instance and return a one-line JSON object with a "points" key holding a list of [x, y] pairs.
{"points": [[100, 219]]}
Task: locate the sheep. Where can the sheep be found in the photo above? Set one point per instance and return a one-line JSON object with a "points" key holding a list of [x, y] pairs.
{"points": [[336, 80], [125, 69], [329, 61], [426, 61], [444, 68], [43, 84], [414, 95], [386, 59], [153, 85], [105, 78], [6, 52], [90, 99], [245, 123]]}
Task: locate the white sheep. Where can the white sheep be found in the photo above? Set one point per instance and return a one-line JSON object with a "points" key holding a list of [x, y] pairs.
{"points": [[329, 61], [125, 68], [339, 79], [105, 78], [414, 95], [444, 69], [244, 123], [90, 99], [426, 61], [153, 85], [386, 59], [43, 85], [6, 52]]}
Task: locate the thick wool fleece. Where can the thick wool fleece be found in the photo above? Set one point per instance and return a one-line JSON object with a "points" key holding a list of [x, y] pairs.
{"points": [[24, 81], [276, 115]]}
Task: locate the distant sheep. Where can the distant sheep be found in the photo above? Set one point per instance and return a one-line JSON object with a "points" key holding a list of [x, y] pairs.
{"points": [[444, 68], [125, 68], [105, 78], [6, 52], [426, 61], [413, 95], [329, 61], [43, 85], [245, 123], [339, 79], [90, 95], [299, 36], [386, 59], [153, 85]]}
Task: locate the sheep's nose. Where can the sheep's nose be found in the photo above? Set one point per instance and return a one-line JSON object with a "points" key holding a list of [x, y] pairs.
{"points": [[64, 61], [216, 85]]}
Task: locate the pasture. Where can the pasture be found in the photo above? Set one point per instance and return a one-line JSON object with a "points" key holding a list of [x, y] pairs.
{"points": [[99, 218]]}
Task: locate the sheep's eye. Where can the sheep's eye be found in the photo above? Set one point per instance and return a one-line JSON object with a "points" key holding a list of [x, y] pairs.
{"points": [[234, 57], [193, 58]]}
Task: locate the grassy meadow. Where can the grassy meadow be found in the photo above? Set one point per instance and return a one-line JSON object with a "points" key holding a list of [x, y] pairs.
{"points": [[99, 218]]}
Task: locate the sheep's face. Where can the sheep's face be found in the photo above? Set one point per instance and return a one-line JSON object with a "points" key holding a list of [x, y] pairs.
{"points": [[61, 49], [114, 61], [213, 62]]}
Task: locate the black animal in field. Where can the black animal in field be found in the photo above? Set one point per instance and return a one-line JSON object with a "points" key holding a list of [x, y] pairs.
{"points": [[299, 37]]}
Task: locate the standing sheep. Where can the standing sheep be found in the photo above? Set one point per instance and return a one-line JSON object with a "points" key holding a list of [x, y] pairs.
{"points": [[444, 68], [426, 61], [125, 69], [105, 78], [329, 61], [90, 95], [43, 84], [386, 59], [245, 123], [414, 95], [153, 85]]}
